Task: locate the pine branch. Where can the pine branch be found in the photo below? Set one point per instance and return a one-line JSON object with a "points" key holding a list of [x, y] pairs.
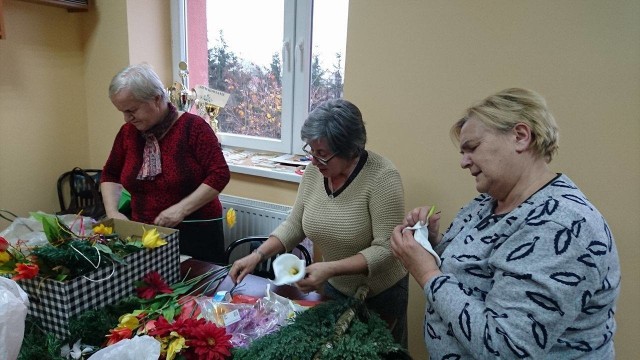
{"points": [[344, 321]]}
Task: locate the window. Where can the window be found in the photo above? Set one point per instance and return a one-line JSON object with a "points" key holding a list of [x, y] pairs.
{"points": [[277, 59]]}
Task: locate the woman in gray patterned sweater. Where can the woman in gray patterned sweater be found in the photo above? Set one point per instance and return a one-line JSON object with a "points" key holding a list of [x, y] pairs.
{"points": [[529, 268]]}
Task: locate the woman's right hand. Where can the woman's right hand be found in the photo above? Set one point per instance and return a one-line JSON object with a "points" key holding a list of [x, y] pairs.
{"points": [[244, 266]]}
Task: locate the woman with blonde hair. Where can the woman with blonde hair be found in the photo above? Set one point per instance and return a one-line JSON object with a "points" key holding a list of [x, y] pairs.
{"points": [[529, 268]]}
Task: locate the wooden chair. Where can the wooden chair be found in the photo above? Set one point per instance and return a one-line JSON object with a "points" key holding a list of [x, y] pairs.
{"points": [[79, 191]]}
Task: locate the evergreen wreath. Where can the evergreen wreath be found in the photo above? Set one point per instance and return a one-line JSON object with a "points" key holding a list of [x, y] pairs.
{"points": [[333, 330]]}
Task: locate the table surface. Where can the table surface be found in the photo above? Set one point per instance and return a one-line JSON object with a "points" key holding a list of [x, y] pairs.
{"points": [[251, 285]]}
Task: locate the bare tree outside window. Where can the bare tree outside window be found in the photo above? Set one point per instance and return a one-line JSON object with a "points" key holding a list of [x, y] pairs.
{"points": [[276, 58], [255, 105]]}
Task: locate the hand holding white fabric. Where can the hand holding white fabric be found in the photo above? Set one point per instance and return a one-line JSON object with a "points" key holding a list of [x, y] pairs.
{"points": [[421, 234]]}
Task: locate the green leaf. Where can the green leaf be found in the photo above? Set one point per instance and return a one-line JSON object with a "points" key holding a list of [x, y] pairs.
{"points": [[137, 243], [103, 248], [115, 258], [170, 312], [154, 306], [180, 290], [50, 226]]}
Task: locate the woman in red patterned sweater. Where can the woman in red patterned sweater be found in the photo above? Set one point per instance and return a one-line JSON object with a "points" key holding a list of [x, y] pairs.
{"points": [[171, 162]]}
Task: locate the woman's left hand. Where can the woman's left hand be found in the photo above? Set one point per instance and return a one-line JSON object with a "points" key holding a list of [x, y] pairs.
{"points": [[316, 275], [413, 256], [170, 216]]}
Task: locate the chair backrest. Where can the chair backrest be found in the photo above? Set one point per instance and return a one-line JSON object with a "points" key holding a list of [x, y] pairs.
{"points": [[79, 190], [246, 245]]}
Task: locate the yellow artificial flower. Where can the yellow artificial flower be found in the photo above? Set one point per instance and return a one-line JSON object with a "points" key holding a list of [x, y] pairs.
{"points": [[175, 346], [104, 230], [129, 321], [231, 217], [151, 238], [4, 257]]}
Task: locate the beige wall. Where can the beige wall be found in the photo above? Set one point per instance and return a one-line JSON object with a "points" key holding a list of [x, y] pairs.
{"points": [[412, 67], [43, 127], [119, 33]]}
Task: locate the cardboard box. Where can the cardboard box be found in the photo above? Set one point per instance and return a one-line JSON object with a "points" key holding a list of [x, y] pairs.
{"points": [[55, 302]]}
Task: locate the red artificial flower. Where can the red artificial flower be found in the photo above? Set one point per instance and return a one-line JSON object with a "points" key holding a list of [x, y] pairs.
{"points": [[118, 334], [161, 327], [208, 342], [25, 271], [4, 244], [189, 307], [149, 326], [153, 285]]}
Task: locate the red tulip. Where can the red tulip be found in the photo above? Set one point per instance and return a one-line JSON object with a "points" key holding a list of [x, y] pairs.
{"points": [[25, 271], [118, 334]]}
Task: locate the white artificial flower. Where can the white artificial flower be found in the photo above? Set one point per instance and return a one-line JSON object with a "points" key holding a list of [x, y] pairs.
{"points": [[288, 269], [75, 352]]}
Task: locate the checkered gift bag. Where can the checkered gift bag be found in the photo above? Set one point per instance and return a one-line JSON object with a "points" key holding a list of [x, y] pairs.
{"points": [[55, 302]]}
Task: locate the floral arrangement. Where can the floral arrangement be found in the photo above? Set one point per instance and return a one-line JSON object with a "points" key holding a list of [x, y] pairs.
{"points": [[170, 315], [67, 254]]}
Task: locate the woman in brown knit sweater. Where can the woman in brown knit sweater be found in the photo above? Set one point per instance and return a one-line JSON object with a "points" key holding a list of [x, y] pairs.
{"points": [[348, 203]]}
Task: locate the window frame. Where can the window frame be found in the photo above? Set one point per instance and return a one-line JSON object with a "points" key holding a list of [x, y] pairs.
{"points": [[296, 78]]}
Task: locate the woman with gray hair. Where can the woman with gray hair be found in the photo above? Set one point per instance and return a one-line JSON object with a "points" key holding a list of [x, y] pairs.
{"points": [[171, 162], [348, 202], [529, 268]]}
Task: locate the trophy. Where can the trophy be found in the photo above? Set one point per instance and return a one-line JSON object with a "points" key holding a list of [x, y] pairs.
{"points": [[210, 102], [179, 94], [212, 111]]}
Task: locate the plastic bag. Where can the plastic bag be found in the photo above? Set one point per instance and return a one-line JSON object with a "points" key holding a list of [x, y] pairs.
{"points": [[246, 322], [14, 304], [31, 232], [139, 348]]}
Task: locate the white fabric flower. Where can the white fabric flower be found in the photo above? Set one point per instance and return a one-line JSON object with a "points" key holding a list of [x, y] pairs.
{"points": [[76, 352], [288, 269]]}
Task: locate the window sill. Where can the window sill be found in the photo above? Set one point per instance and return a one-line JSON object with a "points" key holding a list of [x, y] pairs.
{"points": [[264, 164]]}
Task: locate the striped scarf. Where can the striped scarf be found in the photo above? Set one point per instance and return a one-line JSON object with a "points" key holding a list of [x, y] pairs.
{"points": [[151, 165]]}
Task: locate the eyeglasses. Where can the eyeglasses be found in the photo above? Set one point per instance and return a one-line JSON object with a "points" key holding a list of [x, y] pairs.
{"points": [[322, 161]]}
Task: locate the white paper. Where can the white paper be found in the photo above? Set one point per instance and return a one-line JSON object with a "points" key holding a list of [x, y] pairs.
{"points": [[139, 348]]}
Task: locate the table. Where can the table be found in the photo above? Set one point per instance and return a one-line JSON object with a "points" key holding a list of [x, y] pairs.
{"points": [[251, 285]]}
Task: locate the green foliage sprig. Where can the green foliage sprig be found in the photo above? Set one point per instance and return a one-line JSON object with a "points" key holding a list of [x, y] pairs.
{"points": [[39, 345], [366, 338]]}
